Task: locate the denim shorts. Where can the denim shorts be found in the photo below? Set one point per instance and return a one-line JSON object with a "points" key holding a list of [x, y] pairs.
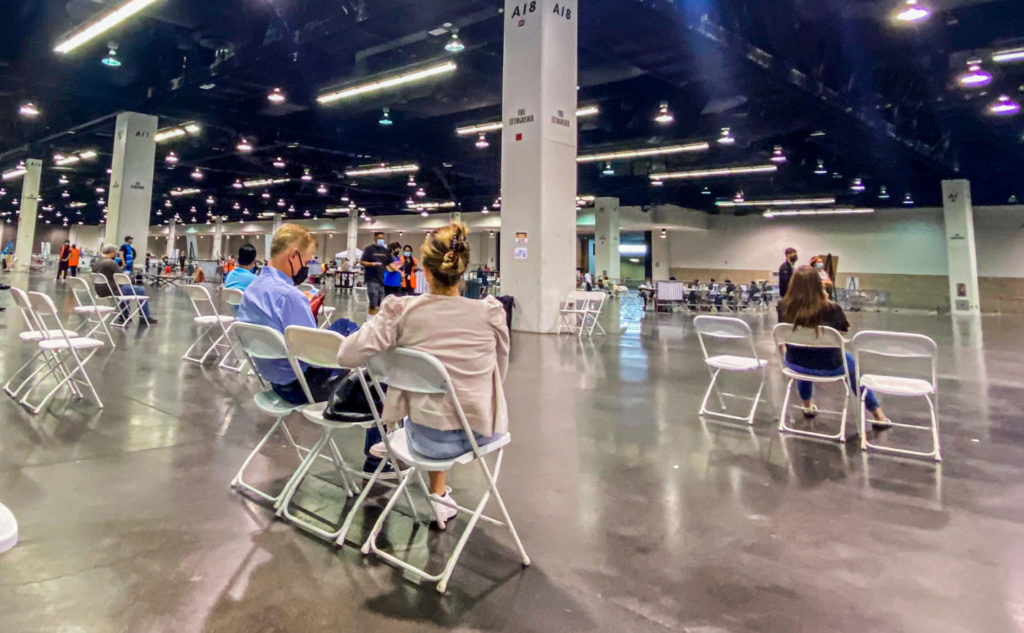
{"points": [[375, 294], [437, 444]]}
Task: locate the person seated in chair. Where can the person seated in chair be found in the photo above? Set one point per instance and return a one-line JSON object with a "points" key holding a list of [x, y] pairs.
{"points": [[241, 275], [273, 300], [468, 336], [805, 306], [107, 266]]}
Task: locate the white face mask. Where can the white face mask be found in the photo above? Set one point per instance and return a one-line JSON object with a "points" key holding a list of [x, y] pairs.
{"points": [[380, 242], [819, 266]]}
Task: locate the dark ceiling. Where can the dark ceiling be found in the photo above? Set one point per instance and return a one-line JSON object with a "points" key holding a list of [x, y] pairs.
{"points": [[828, 80]]}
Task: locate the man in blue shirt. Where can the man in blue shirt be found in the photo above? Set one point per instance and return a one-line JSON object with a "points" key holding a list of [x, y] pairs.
{"points": [[127, 254], [241, 276], [272, 299]]}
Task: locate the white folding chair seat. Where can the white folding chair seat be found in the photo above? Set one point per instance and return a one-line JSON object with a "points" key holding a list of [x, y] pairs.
{"points": [[262, 342], [8, 529], [823, 338], [714, 332], [31, 334], [875, 353], [94, 315], [134, 301], [318, 347], [213, 327], [66, 363], [414, 371]]}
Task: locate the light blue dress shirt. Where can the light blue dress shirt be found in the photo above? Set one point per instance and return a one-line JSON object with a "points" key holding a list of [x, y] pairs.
{"points": [[239, 279], [272, 300]]}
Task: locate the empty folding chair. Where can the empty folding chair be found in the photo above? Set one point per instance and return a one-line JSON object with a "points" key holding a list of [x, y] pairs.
{"points": [[29, 373], [823, 338], [134, 301], [902, 365], [70, 353], [320, 348], [574, 311], [262, 342], [232, 297], [417, 372], [715, 332], [212, 326], [94, 315]]}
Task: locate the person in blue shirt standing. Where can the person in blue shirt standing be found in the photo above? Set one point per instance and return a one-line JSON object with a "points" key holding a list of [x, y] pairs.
{"points": [[127, 254], [273, 300], [241, 275], [393, 271]]}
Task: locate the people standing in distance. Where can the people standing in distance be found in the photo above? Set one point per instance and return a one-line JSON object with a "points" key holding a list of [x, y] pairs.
{"points": [[127, 254], [74, 259], [393, 271], [62, 260], [785, 274], [409, 269], [819, 265], [375, 261]]}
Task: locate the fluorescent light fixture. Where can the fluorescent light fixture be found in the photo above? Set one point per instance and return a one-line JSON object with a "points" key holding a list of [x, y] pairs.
{"points": [[1008, 56], [101, 25], [912, 12], [333, 210], [641, 153], [386, 82], [494, 126], [632, 249], [836, 211], [433, 205], [28, 109], [263, 182], [184, 192], [796, 202], [61, 161], [739, 170], [584, 198], [169, 133], [383, 170]]}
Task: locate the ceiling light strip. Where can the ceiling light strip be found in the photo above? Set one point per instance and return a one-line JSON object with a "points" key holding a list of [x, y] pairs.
{"points": [[385, 82], [383, 170], [11, 174], [101, 25], [263, 182], [62, 161], [1008, 56], [492, 126], [185, 192], [641, 153], [837, 211], [775, 203], [740, 170]]}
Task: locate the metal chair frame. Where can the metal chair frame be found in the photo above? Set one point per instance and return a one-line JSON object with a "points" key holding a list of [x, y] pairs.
{"points": [[711, 329]]}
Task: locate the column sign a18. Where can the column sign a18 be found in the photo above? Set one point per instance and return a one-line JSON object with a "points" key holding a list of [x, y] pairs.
{"points": [[531, 7]]}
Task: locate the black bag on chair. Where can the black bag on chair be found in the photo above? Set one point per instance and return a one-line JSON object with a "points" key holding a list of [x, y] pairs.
{"points": [[348, 403]]}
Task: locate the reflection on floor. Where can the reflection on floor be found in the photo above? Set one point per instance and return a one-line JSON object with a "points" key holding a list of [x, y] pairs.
{"points": [[639, 516]]}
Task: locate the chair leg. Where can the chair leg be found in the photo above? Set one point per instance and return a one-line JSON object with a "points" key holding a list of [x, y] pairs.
{"points": [[239, 483], [707, 394], [371, 541], [290, 488], [935, 428], [783, 427]]}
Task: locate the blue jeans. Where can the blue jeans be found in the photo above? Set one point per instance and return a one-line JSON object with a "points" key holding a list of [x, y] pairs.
{"points": [[129, 290], [437, 444], [806, 389]]}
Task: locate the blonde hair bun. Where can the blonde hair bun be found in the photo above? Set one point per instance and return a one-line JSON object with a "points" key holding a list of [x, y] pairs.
{"points": [[446, 253]]}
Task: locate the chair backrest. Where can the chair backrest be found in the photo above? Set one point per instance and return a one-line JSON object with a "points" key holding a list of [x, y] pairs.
{"points": [[823, 337], [82, 292], [595, 300], [260, 341], [724, 329], [410, 370], [232, 296], [121, 280], [25, 307], [44, 309], [201, 300], [874, 349], [313, 346], [99, 279]]}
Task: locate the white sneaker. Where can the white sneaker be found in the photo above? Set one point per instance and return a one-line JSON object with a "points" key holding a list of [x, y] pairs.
{"points": [[378, 450], [443, 513]]}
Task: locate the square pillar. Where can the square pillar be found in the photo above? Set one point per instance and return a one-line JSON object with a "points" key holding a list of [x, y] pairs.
{"points": [[659, 255], [218, 238], [538, 159], [606, 237], [27, 215], [171, 228], [352, 239], [961, 253], [131, 180]]}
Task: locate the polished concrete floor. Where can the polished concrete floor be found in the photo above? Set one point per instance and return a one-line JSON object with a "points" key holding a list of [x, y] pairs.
{"points": [[638, 515]]}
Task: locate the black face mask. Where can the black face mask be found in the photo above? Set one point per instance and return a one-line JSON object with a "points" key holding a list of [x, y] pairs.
{"points": [[792, 260], [300, 275]]}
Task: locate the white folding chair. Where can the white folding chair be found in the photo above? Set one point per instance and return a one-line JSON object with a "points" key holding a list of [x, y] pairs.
{"points": [[580, 311], [92, 313], [28, 373], [320, 348], [8, 529], [718, 332], [414, 371], [70, 353], [823, 338], [135, 301], [233, 297], [262, 342], [212, 326], [875, 354]]}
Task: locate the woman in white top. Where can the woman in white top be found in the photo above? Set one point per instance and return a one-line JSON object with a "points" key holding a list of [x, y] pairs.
{"points": [[469, 337]]}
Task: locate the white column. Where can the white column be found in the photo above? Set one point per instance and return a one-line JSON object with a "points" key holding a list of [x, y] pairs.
{"points": [[960, 248], [538, 159], [270, 236], [455, 217], [171, 228], [659, 257], [218, 238], [352, 238], [606, 237], [131, 180], [27, 216]]}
